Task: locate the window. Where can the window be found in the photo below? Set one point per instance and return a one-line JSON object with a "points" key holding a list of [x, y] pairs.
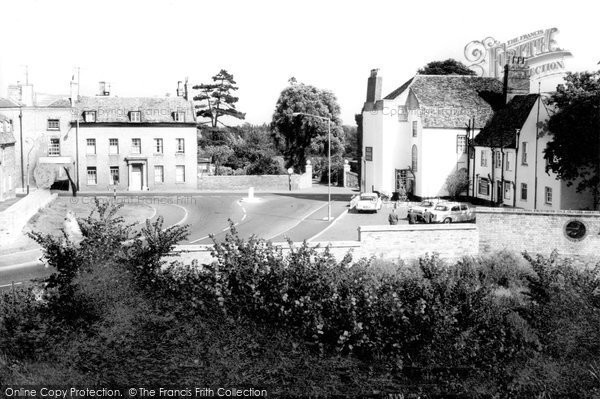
{"points": [[524, 191], [401, 179], [89, 116], [483, 157], [92, 177], [414, 158], [159, 174], [113, 146], [135, 116], [368, 153], [402, 114], [158, 146], [484, 186], [179, 116], [498, 159], [455, 208], [114, 175], [54, 148], [53, 124], [414, 128], [464, 207], [461, 144], [548, 195], [91, 146], [180, 146], [507, 162], [507, 190], [136, 146], [524, 153], [179, 174]]}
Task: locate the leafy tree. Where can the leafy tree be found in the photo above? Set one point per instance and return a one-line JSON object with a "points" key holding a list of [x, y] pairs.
{"points": [[216, 99], [457, 182], [574, 152], [447, 67], [351, 138], [219, 154], [302, 137]]}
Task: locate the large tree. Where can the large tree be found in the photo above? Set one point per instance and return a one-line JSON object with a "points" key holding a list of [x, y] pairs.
{"points": [[303, 137], [447, 67], [216, 99], [574, 151]]}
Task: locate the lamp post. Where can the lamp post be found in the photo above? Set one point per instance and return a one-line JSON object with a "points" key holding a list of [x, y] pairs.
{"points": [[328, 157], [290, 172]]}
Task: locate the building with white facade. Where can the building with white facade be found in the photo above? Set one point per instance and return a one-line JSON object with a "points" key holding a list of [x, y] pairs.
{"points": [[417, 135], [8, 160]]}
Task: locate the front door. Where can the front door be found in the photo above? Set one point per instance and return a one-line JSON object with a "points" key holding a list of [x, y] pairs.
{"points": [[499, 191], [136, 178]]}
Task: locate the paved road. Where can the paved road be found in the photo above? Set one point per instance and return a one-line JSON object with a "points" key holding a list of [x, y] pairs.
{"points": [[271, 216]]}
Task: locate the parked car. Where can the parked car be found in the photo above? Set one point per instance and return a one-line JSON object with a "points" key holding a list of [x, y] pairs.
{"points": [[367, 202], [453, 212], [416, 212]]}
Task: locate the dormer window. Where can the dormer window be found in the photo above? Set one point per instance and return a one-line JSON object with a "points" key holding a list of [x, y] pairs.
{"points": [[135, 116], [89, 116], [179, 116], [53, 124]]}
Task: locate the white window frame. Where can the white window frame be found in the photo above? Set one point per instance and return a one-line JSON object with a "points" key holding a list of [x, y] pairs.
{"points": [[524, 189], [158, 146], [179, 173], [483, 182], [159, 174], [498, 160], [135, 116], [54, 147], [461, 144], [484, 161], [113, 146], [180, 146], [136, 149], [111, 175], [179, 116], [524, 153], [90, 149], [548, 195], [89, 116], [92, 172], [415, 128], [51, 123]]}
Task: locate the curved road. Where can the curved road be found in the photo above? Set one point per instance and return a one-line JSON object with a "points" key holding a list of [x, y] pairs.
{"points": [[271, 216]]}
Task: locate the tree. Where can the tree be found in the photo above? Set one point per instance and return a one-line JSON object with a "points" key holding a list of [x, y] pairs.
{"points": [[457, 182], [447, 67], [574, 152], [351, 139], [216, 99], [219, 154], [302, 137]]}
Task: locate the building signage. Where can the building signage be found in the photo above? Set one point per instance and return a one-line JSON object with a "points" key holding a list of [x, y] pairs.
{"points": [[539, 48]]}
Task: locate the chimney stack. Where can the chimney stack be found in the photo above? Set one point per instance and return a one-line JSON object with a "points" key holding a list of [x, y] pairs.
{"points": [[104, 89], [374, 87], [516, 78]]}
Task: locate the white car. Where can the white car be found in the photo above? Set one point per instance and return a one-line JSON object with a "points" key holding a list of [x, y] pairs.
{"points": [[418, 210], [367, 202]]}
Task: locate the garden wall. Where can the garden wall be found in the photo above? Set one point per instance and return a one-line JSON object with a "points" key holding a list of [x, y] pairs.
{"points": [[243, 182], [13, 219], [540, 232]]}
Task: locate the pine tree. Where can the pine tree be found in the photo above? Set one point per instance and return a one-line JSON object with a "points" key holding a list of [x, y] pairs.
{"points": [[216, 99]]}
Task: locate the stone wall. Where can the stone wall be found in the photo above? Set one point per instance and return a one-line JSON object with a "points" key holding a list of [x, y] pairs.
{"points": [[243, 182], [13, 219], [538, 232]]}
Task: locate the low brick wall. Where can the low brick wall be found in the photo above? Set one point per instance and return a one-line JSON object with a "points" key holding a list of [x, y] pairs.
{"points": [[538, 232], [260, 183], [450, 241], [13, 219]]}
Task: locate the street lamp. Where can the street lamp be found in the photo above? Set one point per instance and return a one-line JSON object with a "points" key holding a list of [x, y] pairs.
{"points": [[290, 172], [328, 157]]}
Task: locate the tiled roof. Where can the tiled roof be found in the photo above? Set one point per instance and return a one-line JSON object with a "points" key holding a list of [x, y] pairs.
{"points": [[153, 109], [449, 101], [5, 137], [500, 131], [399, 90], [52, 100]]}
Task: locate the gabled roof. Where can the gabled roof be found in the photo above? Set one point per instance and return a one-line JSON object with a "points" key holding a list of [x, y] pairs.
{"points": [[117, 109], [450, 101], [500, 131], [6, 138], [8, 103]]}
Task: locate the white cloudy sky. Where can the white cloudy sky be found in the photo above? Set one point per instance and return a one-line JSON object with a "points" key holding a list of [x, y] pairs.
{"points": [[144, 47]]}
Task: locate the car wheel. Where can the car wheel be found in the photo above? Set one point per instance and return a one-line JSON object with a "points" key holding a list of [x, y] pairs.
{"points": [[447, 220]]}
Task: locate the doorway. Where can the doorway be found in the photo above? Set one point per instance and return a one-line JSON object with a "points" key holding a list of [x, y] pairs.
{"points": [[499, 192], [136, 178]]}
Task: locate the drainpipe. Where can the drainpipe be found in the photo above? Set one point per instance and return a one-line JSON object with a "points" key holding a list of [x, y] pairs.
{"points": [[21, 145], [535, 182], [518, 131], [493, 178], [77, 148], [502, 168]]}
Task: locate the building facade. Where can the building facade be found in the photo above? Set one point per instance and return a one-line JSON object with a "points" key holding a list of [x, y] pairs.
{"points": [[8, 161], [416, 136], [135, 144]]}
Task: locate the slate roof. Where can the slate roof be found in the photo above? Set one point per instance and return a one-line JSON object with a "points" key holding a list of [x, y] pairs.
{"points": [[500, 131], [117, 109], [6, 138], [449, 101], [7, 103]]}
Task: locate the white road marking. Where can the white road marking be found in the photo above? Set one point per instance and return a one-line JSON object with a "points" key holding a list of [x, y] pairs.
{"points": [[226, 228], [299, 221], [328, 226]]}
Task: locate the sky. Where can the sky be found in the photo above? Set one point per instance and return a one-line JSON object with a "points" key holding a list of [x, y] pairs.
{"points": [[144, 47]]}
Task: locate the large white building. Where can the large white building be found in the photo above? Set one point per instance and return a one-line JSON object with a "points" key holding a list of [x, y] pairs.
{"points": [[417, 135]]}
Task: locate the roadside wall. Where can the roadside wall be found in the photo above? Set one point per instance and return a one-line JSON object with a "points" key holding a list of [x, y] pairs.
{"points": [[13, 219], [538, 232], [264, 182]]}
